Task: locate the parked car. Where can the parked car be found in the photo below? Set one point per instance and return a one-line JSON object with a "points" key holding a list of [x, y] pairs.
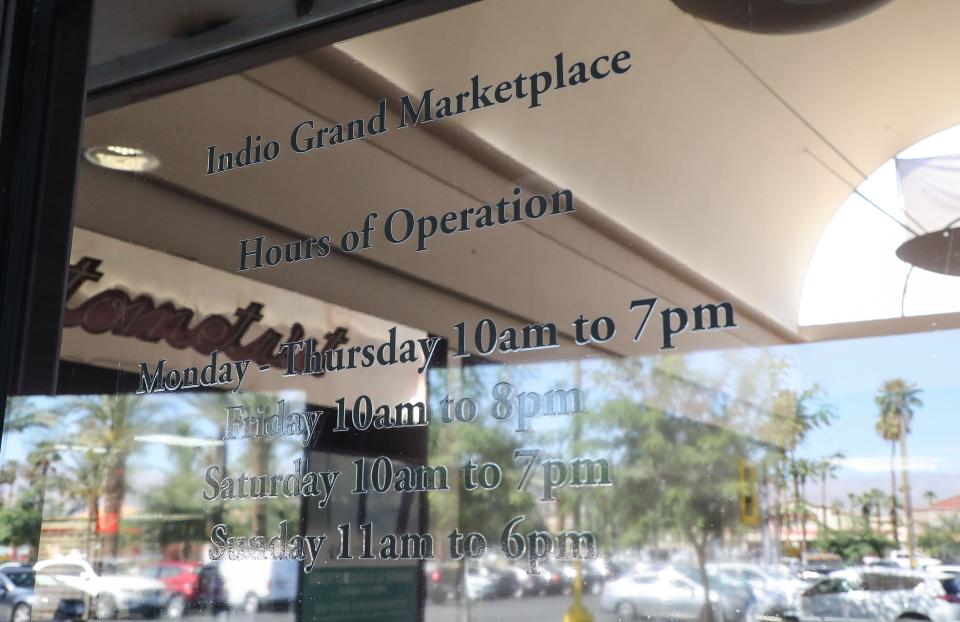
{"points": [[16, 595], [21, 602], [592, 576], [775, 591], [882, 594], [108, 595], [555, 579], [254, 584], [454, 580], [180, 578], [659, 594], [819, 566], [505, 583], [736, 598], [528, 584], [902, 559]]}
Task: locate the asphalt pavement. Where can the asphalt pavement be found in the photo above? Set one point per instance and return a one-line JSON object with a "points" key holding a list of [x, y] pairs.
{"points": [[532, 609], [529, 609]]}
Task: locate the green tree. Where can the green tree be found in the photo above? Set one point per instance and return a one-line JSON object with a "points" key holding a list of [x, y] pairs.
{"points": [[678, 453], [837, 508], [826, 469], [177, 497], [854, 544], [863, 504], [20, 523], [23, 413], [889, 429], [678, 473], [798, 413], [82, 480], [875, 499], [942, 539], [897, 400], [253, 456]]}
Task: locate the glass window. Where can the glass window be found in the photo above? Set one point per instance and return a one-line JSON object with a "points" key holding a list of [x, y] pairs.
{"points": [[68, 570], [834, 586], [20, 578], [951, 586], [493, 310]]}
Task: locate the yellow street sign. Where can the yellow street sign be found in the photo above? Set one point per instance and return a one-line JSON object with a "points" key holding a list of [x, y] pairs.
{"points": [[749, 503]]}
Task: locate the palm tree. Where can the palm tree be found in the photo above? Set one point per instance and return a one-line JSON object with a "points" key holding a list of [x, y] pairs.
{"points": [[24, 413], [837, 508], [40, 465], [930, 496], [797, 413], [8, 477], [889, 429], [874, 498], [800, 470], [110, 423], [854, 506], [258, 459], [80, 479], [897, 400], [826, 469]]}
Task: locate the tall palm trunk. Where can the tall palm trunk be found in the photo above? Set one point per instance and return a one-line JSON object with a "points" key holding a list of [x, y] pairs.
{"points": [[114, 490], [261, 466], [893, 494], [93, 518], [823, 501], [801, 517], [215, 513], [907, 493]]}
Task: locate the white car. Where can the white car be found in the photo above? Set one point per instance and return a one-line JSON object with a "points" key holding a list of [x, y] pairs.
{"points": [[881, 594], [659, 594], [902, 559], [250, 584], [109, 595], [774, 590]]}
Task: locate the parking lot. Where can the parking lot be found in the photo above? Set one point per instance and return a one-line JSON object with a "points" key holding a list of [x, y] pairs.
{"points": [[540, 609]]}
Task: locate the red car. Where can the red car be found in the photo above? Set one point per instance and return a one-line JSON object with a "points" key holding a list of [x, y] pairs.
{"points": [[181, 580]]}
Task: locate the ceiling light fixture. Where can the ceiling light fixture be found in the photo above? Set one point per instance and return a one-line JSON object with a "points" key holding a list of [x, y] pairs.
{"points": [[117, 158], [778, 16]]}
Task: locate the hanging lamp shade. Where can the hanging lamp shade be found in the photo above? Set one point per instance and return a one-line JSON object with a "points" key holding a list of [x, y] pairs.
{"points": [[938, 251], [930, 190], [778, 16]]}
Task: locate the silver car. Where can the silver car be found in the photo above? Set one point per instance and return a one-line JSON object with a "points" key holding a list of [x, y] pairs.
{"points": [[664, 594], [882, 594]]}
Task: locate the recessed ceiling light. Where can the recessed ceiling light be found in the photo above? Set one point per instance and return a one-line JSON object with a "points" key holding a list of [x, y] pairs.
{"points": [[117, 158]]}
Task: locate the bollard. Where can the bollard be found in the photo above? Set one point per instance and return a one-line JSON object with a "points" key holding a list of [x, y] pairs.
{"points": [[577, 612]]}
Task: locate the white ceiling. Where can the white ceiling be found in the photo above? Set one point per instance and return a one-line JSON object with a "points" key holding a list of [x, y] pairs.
{"points": [[713, 149], [709, 149]]}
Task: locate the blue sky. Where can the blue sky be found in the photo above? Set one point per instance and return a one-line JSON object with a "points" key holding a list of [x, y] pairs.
{"points": [[851, 371]]}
